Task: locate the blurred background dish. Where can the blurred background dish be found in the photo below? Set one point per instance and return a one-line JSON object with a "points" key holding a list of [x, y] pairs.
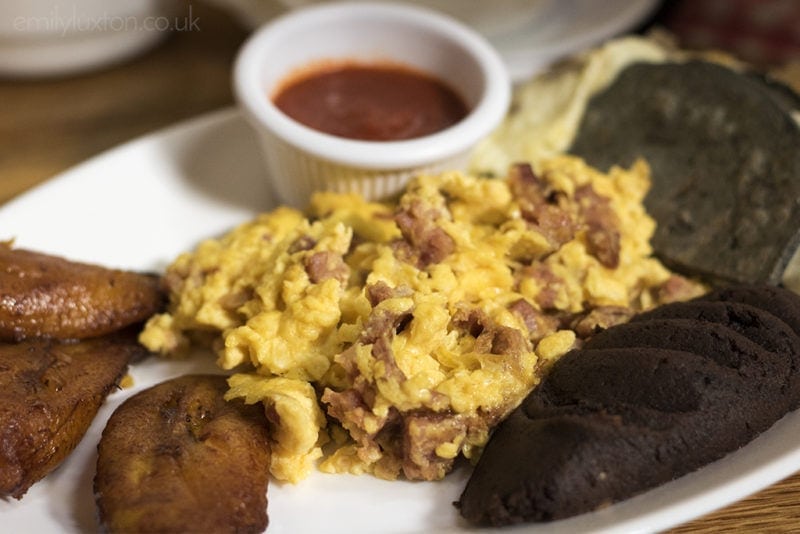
{"points": [[497, 17], [58, 37], [528, 34], [565, 27]]}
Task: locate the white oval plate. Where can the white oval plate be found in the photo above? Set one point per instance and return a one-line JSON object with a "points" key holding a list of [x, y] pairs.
{"points": [[140, 205]]}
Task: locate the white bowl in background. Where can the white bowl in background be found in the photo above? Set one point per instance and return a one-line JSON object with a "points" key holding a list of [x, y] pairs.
{"points": [[495, 17], [301, 160], [58, 37]]}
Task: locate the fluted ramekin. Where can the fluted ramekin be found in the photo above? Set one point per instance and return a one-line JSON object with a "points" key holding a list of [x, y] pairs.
{"points": [[301, 160]]}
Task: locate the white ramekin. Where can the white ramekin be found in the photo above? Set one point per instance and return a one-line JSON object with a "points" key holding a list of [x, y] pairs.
{"points": [[301, 160]]}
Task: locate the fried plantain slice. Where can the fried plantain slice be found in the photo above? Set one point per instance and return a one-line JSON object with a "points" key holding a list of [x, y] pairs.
{"points": [[48, 296], [49, 394], [178, 458]]}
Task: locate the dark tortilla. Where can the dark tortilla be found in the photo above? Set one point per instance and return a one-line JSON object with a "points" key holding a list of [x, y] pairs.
{"points": [[725, 159], [639, 405]]}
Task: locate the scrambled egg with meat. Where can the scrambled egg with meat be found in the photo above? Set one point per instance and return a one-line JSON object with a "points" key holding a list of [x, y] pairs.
{"points": [[389, 338]]}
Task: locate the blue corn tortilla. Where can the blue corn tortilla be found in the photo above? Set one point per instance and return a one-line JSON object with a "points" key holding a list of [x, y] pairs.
{"points": [[725, 157]]}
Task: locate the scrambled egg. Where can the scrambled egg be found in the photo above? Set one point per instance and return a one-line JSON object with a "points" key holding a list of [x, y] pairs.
{"points": [[389, 338]]}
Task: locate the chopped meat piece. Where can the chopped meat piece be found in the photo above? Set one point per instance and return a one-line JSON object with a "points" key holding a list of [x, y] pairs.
{"points": [[508, 341], [325, 265], [539, 324], [490, 337], [380, 291], [602, 235], [600, 319], [351, 409], [540, 207], [382, 351], [549, 284], [472, 321], [382, 323], [423, 242], [423, 433]]}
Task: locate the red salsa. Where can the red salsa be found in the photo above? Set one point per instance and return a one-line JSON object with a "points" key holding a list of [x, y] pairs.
{"points": [[369, 102]]}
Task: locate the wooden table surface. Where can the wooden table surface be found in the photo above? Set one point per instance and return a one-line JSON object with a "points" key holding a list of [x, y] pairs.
{"points": [[47, 126]]}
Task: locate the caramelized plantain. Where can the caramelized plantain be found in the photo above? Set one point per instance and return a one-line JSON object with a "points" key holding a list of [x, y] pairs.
{"points": [[48, 296], [49, 394], [178, 458]]}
